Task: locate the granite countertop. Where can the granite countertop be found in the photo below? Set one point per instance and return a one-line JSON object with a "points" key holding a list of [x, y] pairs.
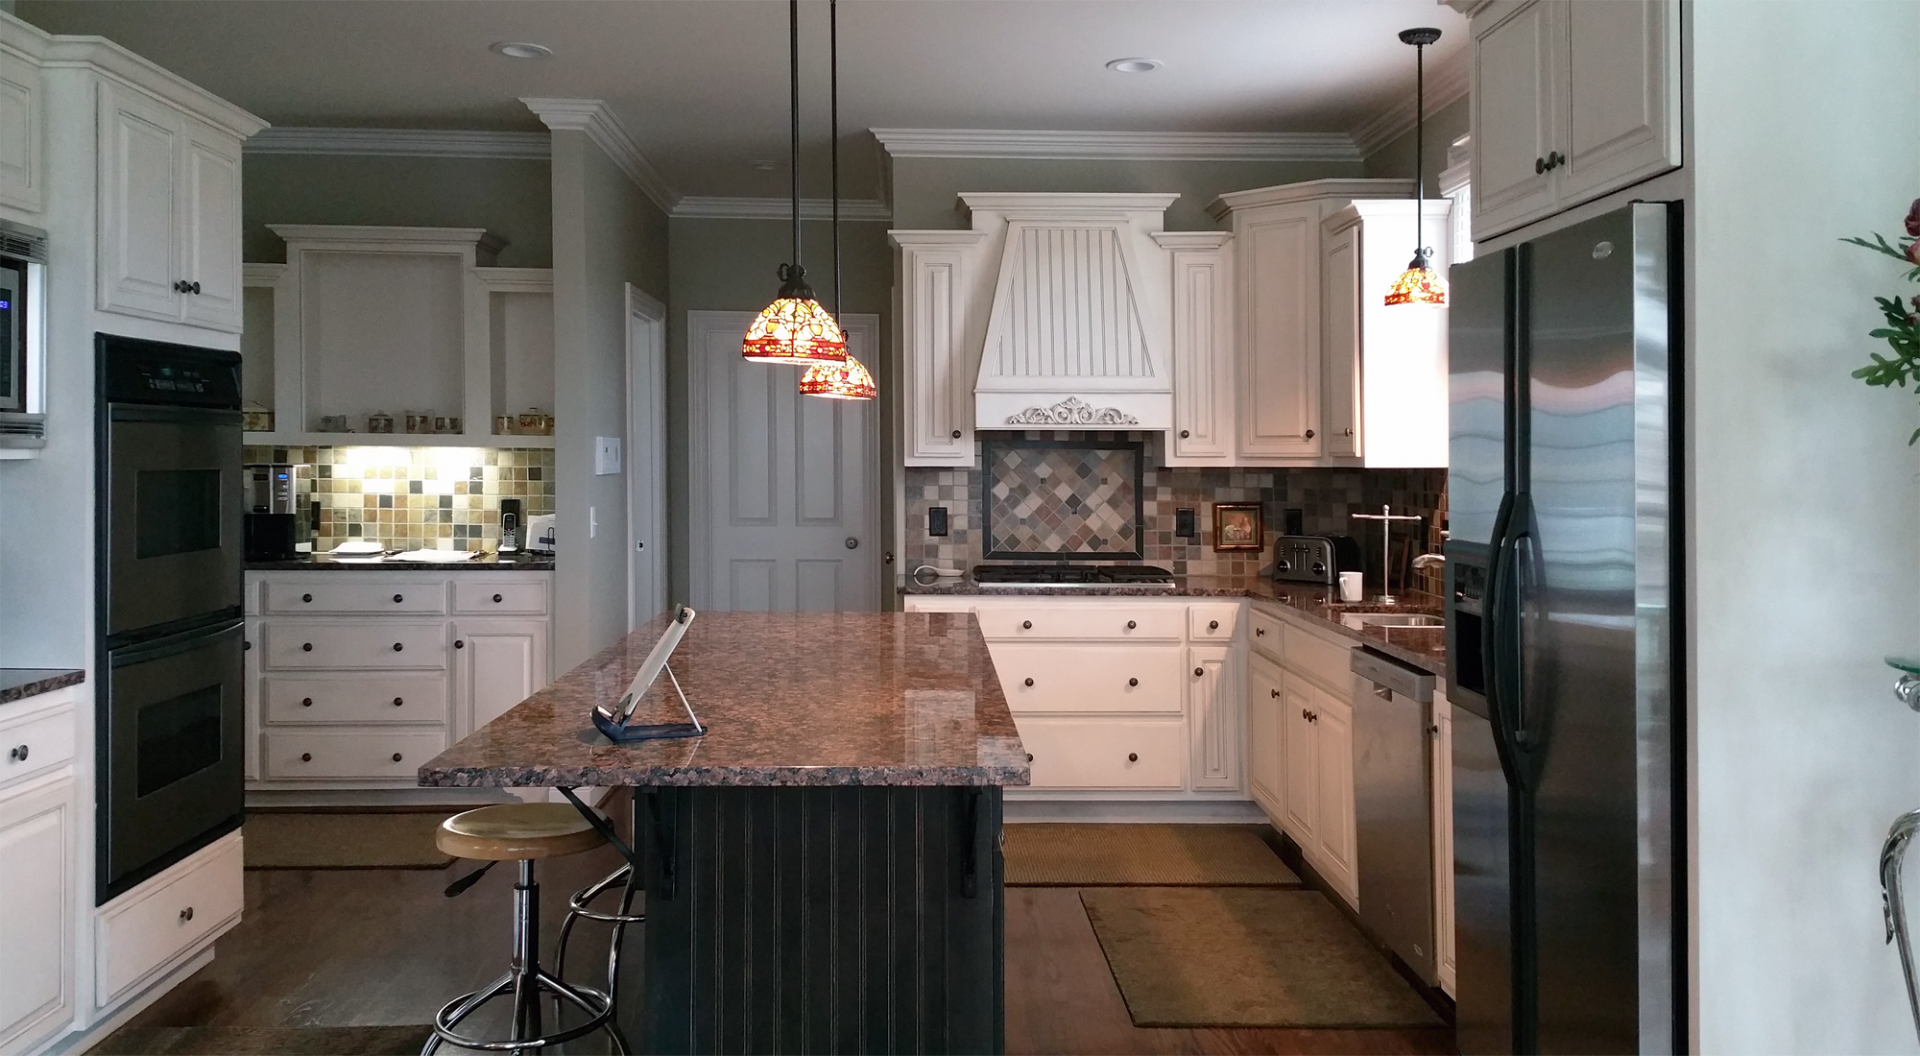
{"points": [[488, 562], [19, 683], [871, 698], [1422, 647]]}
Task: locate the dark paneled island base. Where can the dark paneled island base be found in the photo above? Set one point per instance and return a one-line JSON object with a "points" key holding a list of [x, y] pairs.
{"points": [[830, 919]]}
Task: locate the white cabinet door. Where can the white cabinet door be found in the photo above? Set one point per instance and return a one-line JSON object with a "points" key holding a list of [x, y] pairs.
{"points": [[939, 386], [1213, 717], [1301, 772], [210, 228], [22, 133], [1202, 359], [497, 664], [1619, 117], [1340, 333], [1334, 822], [1443, 840], [1265, 715], [250, 690], [139, 253], [1513, 110], [36, 913], [1278, 411]]}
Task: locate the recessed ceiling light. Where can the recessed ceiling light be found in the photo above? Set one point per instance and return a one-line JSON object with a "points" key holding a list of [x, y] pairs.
{"points": [[520, 49], [1135, 65]]}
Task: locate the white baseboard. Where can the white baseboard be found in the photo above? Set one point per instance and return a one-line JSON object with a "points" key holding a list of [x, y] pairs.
{"points": [[80, 1041], [1136, 812]]}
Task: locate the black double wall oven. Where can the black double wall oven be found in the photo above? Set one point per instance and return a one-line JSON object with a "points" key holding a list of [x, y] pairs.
{"points": [[168, 541]]}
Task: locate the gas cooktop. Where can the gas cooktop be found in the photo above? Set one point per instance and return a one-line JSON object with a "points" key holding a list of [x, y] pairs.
{"points": [[1014, 576]]}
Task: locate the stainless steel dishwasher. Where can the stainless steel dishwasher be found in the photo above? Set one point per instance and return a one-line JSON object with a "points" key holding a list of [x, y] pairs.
{"points": [[1393, 805]]}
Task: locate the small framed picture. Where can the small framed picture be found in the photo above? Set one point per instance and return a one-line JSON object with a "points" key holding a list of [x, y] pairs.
{"points": [[1236, 526]]}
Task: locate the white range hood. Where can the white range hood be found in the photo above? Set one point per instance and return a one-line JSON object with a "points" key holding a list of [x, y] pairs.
{"points": [[1078, 330]]}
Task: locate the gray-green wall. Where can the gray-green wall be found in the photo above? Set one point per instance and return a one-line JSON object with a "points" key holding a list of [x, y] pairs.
{"points": [[732, 265], [1447, 124], [510, 197], [605, 234]]}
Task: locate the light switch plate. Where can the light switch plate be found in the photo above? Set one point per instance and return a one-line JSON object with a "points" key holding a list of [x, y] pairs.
{"points": [[606, 455]]}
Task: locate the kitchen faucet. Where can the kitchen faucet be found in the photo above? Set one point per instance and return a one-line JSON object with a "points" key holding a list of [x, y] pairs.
{"points": [[1430, 561]]}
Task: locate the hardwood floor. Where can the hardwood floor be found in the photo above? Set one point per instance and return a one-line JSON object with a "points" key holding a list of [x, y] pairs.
{"points": [[378, 946]]}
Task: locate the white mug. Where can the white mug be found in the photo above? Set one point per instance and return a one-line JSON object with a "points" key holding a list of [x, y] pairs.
{"points": [[1350, 588]]}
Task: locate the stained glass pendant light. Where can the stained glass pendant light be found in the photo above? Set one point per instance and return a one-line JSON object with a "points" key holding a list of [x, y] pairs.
{"points": [[1419, 284], [795, 328], [847, 380]]}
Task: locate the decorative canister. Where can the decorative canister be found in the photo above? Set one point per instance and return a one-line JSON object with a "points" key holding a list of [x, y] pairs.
{"points": [[453, 423], [440, 425], [256, 421], [419, 422], [530, 421], [503, 425], [379, 422]]}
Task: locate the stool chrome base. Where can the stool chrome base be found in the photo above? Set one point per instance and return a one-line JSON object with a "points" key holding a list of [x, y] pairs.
{"points": [[528, 983]]}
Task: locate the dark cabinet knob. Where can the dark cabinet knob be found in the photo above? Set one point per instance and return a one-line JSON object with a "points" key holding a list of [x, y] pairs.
{"points": [[246, 647], [1029, 757], [1029, 681], [397, 647], [396, 757], [458, 644], [496, 599], [306, 702], [187, 913], [1184, 434], [1199, 671], [17, 755], [1274, 693], [1303, 713], [306, 757], [306, 647], [1213, 625], [1026, 625], [1131, 625], [307, 598], [397, 599], [397, 701], [1539, 166], [1309, 434], [183, 286], [1133, 681], [956, 434], [1133, 757], [1259, 632]]}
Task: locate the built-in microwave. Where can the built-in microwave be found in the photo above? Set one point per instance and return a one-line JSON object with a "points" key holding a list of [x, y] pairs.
{"points": [[23, 341]]}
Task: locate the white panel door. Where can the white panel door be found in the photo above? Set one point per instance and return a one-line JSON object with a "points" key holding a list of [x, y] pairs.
{"points": [[1620, 117], [1340, 287], [22, 133], [139, 256], [1333, 829], [497, 664], [210, 231], [36, 914], [1213, 717], [1279, 398], [783, 485], [646, 457], [1202, 359], [1302, 750], [1513, 117], [939, 385], [1265, 716]]}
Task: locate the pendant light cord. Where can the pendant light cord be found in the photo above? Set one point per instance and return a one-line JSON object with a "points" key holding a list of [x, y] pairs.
{"points": [[1420, 151], [793, 78], [833, 132]]}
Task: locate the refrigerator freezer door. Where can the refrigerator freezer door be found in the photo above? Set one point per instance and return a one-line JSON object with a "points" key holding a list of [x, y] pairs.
{"points": [[1482, 891], [1594, 637]]}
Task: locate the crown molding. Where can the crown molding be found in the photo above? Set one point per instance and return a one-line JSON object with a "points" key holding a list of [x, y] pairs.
{"points": [[1447, 82], [1150, 146], [403, 143], [1288, 193], [593, 117], [710, 208]]}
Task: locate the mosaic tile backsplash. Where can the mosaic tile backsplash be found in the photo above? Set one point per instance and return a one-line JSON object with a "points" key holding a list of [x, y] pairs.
{"points": [[1326, 499], [411, 498], [1062, 499]]}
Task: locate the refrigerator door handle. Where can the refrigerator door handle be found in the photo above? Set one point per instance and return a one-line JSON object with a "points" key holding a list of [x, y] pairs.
{"points": [[1494, 614]]}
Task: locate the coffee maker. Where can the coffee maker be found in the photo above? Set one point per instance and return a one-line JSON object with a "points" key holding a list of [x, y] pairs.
{"points": [[272, 529]]}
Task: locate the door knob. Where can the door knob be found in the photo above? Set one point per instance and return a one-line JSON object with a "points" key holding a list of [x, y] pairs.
{"points": [[186, 914], [852, 543], [956, 434], [306, 757], [1539, 166], [306, 598], [396, 757], [496, 599], [1131, 625], [1213, 625], [306, 702], [1309, 434], [459, 644], [1133, 681], [1199, 671], [1133, 757], [1026, 625], [1029, 681], [1274, 693], [397, 647], [397, 599], [1259, 632], [397, 701], [1029, 757], [306, 647], [18, 755], [1184, 434]]}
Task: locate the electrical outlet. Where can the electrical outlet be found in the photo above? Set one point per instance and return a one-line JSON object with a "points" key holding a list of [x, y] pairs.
{"points": [[1184, 526], [937, 520], [606, 455], [593, 521]]}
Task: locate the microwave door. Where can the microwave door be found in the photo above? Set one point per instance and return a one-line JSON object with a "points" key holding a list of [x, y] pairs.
{"points": [[13, 335]]}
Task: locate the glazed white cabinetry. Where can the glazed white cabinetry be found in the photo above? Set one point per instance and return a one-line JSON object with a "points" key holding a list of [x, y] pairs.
{"points": [[38, 871], [362, 676], [1203, 389], [168, 242], [22, 134], [1570, 101], [934, 284]]}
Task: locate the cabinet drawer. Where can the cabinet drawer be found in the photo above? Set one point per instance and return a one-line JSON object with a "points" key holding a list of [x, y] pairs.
{"points": [[157, 921], [483, 597], [1092, 753], [1266, 633], [1090, 677], [356, 645], [35, 744], [1323, 660], [1040, 622], [374, 698], [351, 756], [1213, 623], [425, 597]]}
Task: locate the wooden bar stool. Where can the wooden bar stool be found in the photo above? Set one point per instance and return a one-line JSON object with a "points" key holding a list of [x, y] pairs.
{"points": [[522, 832]]}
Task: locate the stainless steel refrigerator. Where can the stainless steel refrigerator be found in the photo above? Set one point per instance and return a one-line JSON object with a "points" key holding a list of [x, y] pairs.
{"points": [[1562, 668]]}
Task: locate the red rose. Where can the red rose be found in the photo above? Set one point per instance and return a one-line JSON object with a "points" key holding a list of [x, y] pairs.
{"points": [[1913, 219]]}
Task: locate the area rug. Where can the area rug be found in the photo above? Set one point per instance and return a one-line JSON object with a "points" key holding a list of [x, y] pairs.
{"points": [[1062, 855], [1246, 957], [264, 1041], [335, 840]]}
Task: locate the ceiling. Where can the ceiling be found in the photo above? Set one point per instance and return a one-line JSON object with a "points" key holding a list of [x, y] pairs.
{"points": [[701, 85]]}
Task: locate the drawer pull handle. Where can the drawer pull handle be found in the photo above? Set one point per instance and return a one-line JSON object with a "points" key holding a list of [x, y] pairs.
{"points": [[1133, 681], [1026, 625], [396, 757], [306, 757], [1199, 672], [1213, 625], [307, 598], [1131, 625], [496, 599], [397, 701], [17, 755], [397, 647], [186, 915], [1259, 632], [397, 599], [1029, 681], [1133, 757], [459, 644], [1274, 693], [306, 647], [306, 702]]}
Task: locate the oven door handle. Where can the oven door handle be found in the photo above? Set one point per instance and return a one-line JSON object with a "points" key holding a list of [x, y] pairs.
{"points": [[149, 412], [172, 644]]}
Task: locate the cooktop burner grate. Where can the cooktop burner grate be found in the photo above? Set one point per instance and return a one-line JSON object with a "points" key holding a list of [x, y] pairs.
{"points": [[1016, 575]]}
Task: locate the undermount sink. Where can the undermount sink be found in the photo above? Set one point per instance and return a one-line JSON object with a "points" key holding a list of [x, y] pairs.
{"points": [[1362, 620]]}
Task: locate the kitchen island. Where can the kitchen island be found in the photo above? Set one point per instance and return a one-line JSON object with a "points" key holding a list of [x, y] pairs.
{"points": [[822, 868]]}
